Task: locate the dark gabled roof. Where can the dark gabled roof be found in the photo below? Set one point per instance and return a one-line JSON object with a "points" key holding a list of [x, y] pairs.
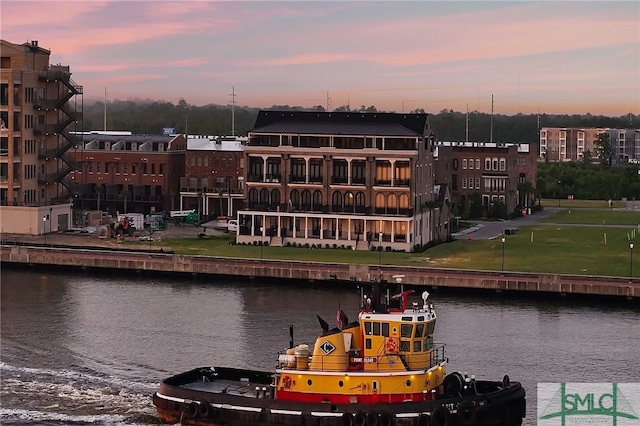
{"points": [[342, 123]]}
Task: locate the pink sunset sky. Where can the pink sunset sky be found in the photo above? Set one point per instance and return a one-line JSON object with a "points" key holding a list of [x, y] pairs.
{"points": [[547, 56]]}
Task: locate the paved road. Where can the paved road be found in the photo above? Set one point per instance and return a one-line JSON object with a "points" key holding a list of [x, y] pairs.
{"points": [[489, 230], [494, 229]]}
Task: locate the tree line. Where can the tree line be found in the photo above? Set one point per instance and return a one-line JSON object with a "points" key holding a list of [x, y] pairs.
{"points": [[150, 117]]}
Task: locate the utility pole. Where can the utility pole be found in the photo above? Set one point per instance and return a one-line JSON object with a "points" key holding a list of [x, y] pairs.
{"points": [[233, 110], [105, 108], [328, 102], [467, 125], [491, 134]]}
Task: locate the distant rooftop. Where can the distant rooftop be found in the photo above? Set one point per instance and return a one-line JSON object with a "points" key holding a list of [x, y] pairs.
{"points": [[522, 147], [216, 143], [342, 123]]}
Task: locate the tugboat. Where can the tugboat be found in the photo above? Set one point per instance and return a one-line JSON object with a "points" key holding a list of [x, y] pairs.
{"points": [[382, 370]]}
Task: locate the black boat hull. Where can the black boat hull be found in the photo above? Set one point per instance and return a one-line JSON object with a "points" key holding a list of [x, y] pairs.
{"points": [[180, 400]]}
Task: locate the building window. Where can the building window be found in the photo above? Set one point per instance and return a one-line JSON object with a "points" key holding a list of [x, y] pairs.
{"points": [[464, 164], [117, 167], [315, 170], [90, 166], [161, 166], [126, 168], [98, 167], [339, 171], [153, 168], [503, 164], [471, 164], [298, 170], [477, 183], [487, 163], [383, 173], [477, 164], [358, 172], [494, 164], [464, 183]]}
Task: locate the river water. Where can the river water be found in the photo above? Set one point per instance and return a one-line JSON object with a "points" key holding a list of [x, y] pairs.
{"points": [[90, 349]]}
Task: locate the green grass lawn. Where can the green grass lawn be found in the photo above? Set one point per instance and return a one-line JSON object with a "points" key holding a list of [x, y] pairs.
{"points": [[580, 204], [595, 217], [550, 249], [541, 249]]}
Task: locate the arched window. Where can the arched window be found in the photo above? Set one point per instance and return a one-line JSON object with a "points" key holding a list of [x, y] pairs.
{"points": [[264, 196], [348, 199], [253, 195], [306, 200], [317, 201], [392, 203], [295, 199], [404, 201], [336, 200], [275, 197], [380, 204], [360, 200]]}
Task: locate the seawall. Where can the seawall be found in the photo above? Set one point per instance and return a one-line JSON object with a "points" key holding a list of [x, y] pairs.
{"points": [[90, 258]]}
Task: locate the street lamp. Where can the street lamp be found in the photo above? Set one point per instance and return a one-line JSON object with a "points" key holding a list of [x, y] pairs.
{"points": [[559, 183], [630, 262], [503, 241], [261, 250], [44, 228]]}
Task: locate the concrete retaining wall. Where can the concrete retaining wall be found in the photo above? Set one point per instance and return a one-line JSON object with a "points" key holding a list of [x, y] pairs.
{"points": [[311, 271]]}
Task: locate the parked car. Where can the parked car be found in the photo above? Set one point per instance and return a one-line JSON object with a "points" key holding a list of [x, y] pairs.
{"points": [[232, 226]]}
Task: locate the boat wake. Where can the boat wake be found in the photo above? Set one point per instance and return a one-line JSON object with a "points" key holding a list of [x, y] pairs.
{"points": [[72, 397]]}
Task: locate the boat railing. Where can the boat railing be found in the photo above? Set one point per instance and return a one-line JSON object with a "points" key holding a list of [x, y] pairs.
{"points": [[438, 354]]}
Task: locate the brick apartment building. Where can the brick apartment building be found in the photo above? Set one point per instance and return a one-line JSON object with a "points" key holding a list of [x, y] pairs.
{"points": [[39, 105], [492, 170], [214, 176], [118, 168], [341, 179]]}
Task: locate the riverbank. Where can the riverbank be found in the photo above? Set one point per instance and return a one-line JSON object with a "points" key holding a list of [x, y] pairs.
{"points": [[141, 261]]}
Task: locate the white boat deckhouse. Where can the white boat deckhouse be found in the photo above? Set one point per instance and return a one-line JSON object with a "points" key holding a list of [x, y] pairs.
{"points": [[354, 180]]}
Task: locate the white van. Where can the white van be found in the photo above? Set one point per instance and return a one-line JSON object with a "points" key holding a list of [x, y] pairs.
{"points": [[232, 226]]}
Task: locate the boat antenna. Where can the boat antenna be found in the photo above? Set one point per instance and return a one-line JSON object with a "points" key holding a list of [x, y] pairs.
{"points": [[291, 337]]}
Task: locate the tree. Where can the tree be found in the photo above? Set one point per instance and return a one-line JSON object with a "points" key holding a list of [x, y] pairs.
{"points": [[603, 150], [125, 196], [525, 188], [99, 191], [587, 158]]}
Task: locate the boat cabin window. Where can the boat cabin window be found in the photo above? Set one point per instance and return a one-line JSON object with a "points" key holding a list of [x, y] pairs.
{"points": [[406, 330], [405, 345], [376, 328], [367, 343], [419, 331], [428, 343], [431, 325], [417, 345]]}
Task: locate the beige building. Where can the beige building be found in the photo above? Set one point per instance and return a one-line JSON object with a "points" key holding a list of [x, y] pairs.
{"points": [[560, 144], [39, 106], [342, 179]]}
